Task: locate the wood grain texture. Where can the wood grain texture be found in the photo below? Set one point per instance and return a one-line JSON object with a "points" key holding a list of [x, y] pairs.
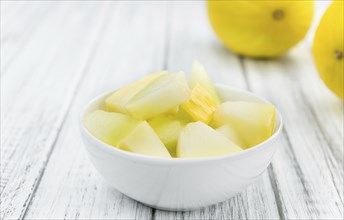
{"points": [[308, 162], [192, 38], [55, 56], [75, 189], [20, 25], [36, 96]]}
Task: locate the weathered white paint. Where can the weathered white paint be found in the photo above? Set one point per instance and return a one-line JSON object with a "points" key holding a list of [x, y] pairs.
{"points": [[38, 88], [56, 56], [79, 191], [192, 38], [317, 174]]}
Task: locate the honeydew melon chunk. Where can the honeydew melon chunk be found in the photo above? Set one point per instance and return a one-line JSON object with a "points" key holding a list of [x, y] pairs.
{"points": [[199, 140], [168, 129], [230, 133], [199, 76], [200, 105], [254, 122], [117, 101], [109, 127], [143, 140], [163, 94]]}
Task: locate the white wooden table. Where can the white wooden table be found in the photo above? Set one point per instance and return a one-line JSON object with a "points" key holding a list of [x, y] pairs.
{"points": [[55, 56]]}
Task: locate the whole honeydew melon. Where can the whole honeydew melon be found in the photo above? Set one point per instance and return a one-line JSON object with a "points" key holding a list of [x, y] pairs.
{"points": [[260, 29]]}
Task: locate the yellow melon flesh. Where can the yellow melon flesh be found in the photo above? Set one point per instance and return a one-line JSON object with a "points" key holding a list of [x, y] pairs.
{"points": [[254, 122], [230, 133], [109, 127], [200, 76], [199, 140], [143, 140], [168, 129], [163, 94], [117, 101], [200, 105]]}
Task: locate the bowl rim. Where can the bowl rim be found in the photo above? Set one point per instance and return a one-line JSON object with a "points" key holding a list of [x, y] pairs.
{"points": [[114, 151]]}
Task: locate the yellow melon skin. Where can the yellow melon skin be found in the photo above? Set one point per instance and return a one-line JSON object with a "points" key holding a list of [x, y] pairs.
{"points": [[260, 29], [328, 48]]}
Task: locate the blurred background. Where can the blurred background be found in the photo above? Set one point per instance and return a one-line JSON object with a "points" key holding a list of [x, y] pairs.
{"points": [[123, 26]]}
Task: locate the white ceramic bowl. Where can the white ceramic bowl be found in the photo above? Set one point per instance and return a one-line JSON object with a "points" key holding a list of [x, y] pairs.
{"points": [[180, 184]]}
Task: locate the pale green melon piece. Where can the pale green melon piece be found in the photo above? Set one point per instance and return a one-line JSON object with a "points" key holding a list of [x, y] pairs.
{"points": [[230, 133], [109, 127], [117, 101], [168, 129], [199, 76], [143, 140], [165, 93], [199, 140], [253, 121]]}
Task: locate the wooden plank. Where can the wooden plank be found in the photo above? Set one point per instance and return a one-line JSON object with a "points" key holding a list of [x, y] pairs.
{"points": [[309, 168], [36, 95], [192, 38], [18, 26], [10, 9], [131, 47], [253, 203]]}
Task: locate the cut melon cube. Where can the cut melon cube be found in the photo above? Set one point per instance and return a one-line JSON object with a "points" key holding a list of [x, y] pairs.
{"points": [[163, 94], [168, 129], [199, 76], [200, 105], [117, 101], [109, 127], [254, 122], [230, 133], [143, 140], [199, 140]]}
